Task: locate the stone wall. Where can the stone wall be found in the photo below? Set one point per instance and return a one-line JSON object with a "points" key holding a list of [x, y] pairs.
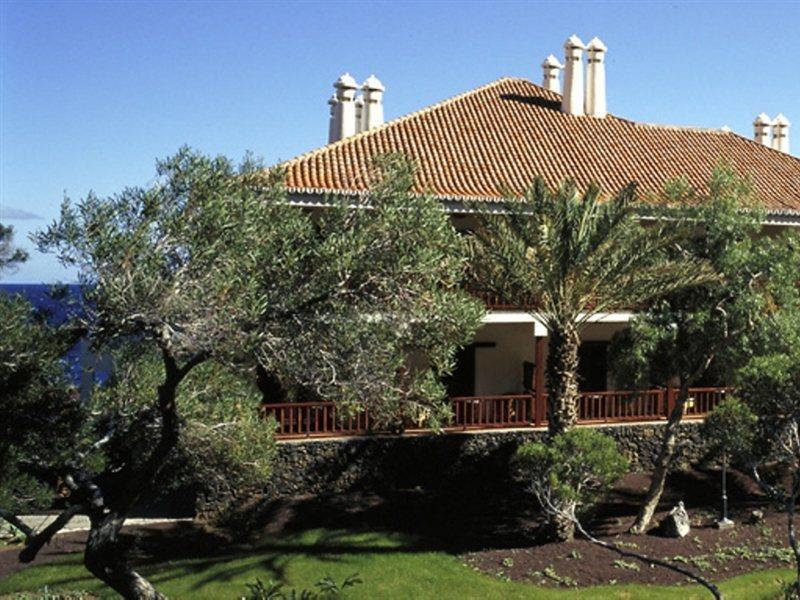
{"points": [[453, 460]]}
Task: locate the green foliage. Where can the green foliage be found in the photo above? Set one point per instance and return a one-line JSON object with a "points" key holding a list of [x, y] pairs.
{"points": [[47, 593], [627, 565], [713, 328], [578, 255], [769, 386], [568, 257], [549, 573], [42, 417], [360, 305], [572, 468], [225, 450], [325, 588], [731, 428], [9, 255]]}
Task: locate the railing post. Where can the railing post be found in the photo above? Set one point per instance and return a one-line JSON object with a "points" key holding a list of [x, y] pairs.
{"points": [[538, 381]]}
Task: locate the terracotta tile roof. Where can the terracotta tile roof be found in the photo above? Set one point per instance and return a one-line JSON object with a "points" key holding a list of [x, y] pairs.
{"points": [[490, 143]]}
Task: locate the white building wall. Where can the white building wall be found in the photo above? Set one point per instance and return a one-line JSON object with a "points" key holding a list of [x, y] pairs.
{"points": [[499, 368]]}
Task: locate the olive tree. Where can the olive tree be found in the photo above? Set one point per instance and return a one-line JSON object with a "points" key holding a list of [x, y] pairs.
{"points": [[770, 385], [360, 302], [10, 256]]}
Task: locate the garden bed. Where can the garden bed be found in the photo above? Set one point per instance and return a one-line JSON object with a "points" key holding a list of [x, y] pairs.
{"points": [[494, 534]]}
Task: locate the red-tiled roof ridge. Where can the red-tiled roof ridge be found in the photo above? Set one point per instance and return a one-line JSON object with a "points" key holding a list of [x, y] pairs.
{"points": [[405, 117], [478, 146]]}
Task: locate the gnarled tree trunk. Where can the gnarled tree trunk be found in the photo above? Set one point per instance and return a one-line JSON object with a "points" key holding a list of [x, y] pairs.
{"points": [[104, 558], [562, 379], [663, 463]]}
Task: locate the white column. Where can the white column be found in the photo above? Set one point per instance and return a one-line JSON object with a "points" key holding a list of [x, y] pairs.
{"points": [[572, 100], [596, 79], [551, 69], [780, 133]]}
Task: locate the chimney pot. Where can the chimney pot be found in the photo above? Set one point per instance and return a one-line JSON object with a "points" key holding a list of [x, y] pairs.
{"points": [[762, 129], [344, 120], [372, 114], [551, 69], [359, 114], [572, 100], [596, 79], [780, 133], [333, 126]]}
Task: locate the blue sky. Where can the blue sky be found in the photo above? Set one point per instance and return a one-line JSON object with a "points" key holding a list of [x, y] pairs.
{"points": [[92, 93]]}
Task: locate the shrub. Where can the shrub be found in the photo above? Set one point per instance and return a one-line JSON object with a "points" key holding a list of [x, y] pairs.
{"points": [[568, 472]]}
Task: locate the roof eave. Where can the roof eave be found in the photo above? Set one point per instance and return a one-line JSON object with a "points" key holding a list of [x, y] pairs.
{"points": [[321, 198]]}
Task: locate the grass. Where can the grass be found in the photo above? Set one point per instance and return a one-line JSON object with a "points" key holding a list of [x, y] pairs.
{"points": [[390, 566]]}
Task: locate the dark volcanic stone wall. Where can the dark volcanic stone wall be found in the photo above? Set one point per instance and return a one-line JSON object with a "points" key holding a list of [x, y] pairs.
{"points": [[451, 461]]}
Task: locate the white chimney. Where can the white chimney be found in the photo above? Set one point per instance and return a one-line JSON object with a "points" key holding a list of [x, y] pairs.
{"points": [[345, 108], [551, 69], [780, 133], [359, 114], [596, 79], [333, 126], [572, 100], [762, 129], [372, 115]]}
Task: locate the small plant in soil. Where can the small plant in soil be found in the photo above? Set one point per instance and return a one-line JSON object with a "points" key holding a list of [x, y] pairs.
{"points": [[623, 564], [508, 562], [550, 573]]}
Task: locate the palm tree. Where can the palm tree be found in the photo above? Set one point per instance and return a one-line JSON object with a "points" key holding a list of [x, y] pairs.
{"points": [[576, 256]]}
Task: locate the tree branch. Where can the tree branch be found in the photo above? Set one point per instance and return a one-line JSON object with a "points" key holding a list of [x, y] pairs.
{"points": [[37, 541], [648, 559], [14, 520]]}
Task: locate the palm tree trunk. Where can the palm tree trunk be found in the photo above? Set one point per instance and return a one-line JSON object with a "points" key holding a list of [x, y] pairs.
{"points": [[562, 379], [663, 463]]}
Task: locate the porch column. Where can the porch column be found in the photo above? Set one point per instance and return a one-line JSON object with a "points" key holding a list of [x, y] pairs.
{"points": [[538, 380]]}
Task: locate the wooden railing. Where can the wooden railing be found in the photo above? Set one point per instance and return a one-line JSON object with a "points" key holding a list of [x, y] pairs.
{"points": [[486, 412], [313, 419], [322, 419], [493, 301], [614, 407]]}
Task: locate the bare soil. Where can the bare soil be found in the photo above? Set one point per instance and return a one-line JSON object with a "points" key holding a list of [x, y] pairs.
{"points": [[717, 554]]}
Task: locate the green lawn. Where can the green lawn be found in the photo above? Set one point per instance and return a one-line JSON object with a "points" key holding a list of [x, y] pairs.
{"points": [[388, 564]]}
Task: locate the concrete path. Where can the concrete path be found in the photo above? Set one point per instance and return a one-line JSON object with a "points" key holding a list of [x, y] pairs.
{"points": [[81, 522]]}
